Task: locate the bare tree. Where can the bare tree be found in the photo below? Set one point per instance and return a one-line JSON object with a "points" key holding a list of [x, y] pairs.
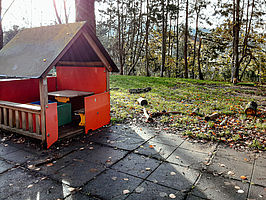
{"points": [[56, 13], [85, 12], [1, 29], [186, 42]]}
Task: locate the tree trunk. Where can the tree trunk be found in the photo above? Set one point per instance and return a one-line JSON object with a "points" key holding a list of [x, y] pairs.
{"points": [[147, 40], [119, 39], [1, 29], [56, 13], [186, 42], [236, 42], [199, 68], [85, 12], [197, 9], [164, 40], [177, 40]]}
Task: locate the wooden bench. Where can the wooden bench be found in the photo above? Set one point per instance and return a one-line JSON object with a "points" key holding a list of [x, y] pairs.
{"points": [[81, 113]]}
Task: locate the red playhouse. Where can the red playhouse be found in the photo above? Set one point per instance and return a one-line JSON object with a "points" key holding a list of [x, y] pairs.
{"points": [[54, 82]]}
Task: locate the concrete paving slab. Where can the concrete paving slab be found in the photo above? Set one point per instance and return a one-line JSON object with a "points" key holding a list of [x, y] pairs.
{"points": [[189, 158], [227, 152], [118, 141], [4, 166], [141, 132], [20, 184], [168, 139], [174, 176], [220, 188], [7, 149], [78, 173], [137, 165], [230, 168], [53, 167], [79, 196], [19, 156], [99, 154], [126, 143], [156, 150], [193, 197], [259, 175], [111, 184], [257, 192], [261, 160], [199, 147], [149, 190]]}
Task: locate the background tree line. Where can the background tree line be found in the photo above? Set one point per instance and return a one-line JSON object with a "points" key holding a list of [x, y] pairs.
{"points": [[169, 38], [173, 38]]}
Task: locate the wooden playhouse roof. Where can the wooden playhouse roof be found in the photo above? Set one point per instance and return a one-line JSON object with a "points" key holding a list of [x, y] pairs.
{"points": [[34, 51]]}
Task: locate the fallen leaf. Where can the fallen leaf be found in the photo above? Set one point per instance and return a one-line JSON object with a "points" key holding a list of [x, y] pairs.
{"points": [[126, 191], [243, 177], [163, 194], [240, 191], [93, 170], [172, 196], [139, 189], [231, 173], [49, 165], [29, 186], [71, 189], [31, 166], [151, 146], [237, 187]]}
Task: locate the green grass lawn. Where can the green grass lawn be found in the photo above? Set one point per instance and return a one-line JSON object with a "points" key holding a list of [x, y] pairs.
{"points": [[184, 95]]}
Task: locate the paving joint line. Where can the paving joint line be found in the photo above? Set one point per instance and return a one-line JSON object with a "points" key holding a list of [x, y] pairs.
{"points": [[252, 172]]}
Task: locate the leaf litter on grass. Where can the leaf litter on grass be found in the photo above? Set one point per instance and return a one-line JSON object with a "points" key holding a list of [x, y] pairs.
{"points": [[232, 127]]}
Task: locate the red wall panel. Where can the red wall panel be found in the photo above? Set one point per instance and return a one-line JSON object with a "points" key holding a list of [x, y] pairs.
{"points": [[23, 91], [87, 79]]}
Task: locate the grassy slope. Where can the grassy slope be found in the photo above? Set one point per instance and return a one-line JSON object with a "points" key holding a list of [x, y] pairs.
{"points": [[184, 95]]}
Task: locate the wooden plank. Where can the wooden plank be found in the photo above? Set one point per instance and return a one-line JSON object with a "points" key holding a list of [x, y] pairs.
{"points": [[80, 64], [97, 50], [37, 120], [69, 93], [1, 118], [30, 122], [26, 133], [20, 107], [5, 116], [17, 119], [44, 102], [10, 116], [107, 81], [23, 121]]}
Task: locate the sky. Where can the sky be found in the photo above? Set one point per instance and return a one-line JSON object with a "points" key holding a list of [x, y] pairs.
{"points": [[32, 13]]}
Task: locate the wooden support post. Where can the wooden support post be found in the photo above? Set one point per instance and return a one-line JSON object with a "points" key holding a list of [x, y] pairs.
{"points": [[17, 119], [5, 116], [44, 102], [30, 122], [107, 80], [37, 119], [0, 115], [23, 121], [10, 115]]}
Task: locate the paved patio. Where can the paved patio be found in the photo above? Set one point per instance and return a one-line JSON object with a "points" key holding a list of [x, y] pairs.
{"points": [[127, 162]]}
